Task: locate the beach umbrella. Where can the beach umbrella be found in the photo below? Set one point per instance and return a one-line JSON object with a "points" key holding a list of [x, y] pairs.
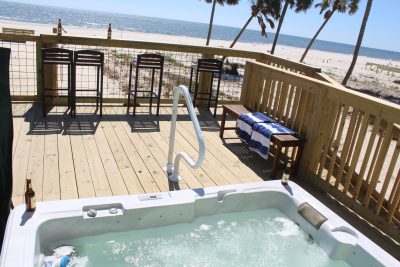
{"points": [[330, 7], [359, 41], [300, 5]]}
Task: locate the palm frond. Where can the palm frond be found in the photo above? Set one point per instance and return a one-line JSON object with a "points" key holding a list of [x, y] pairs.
{"points": [[222, 2], [266, 9], [270, 22], [327, 14], [262, 25], [353, 6], [302, 5]]}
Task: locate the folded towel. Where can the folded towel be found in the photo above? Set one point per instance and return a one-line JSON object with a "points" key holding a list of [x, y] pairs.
{"points": [[246, 122], [261, 136]]}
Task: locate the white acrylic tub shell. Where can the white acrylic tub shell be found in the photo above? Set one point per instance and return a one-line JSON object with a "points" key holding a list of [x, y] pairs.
{"points": [[27, 234]]}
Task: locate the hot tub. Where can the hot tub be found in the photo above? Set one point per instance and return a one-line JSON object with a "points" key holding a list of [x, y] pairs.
{"points": [[73, 222]]}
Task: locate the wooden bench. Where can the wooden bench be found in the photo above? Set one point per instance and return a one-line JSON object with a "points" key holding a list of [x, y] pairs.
{"points": [[278, 140], [18, 31]]}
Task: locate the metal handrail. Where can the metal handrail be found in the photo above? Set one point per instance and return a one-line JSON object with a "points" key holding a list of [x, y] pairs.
{"points": [[173, 170]]}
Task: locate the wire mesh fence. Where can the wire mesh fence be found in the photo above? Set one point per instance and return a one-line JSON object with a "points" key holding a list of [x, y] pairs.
{"points": [[177, 66], [22, 67]]}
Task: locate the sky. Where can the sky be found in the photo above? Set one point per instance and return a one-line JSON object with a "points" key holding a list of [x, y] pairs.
{"points": [[382, 29]]}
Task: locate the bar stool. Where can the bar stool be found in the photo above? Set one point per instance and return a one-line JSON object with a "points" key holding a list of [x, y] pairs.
{"points": [[146, 61], [207, 65], [89, 58], [56, 56]]}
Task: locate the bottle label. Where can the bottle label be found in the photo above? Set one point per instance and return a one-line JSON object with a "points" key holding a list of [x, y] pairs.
{"points": [[285, 178], [33, 202]]}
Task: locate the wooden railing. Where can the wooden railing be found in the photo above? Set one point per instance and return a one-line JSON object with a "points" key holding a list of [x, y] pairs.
{"points": [[25, 64], [352, 148], [291, 65], [18, 31]]}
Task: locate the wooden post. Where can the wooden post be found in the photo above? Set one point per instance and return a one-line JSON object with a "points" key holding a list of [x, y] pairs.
{"points": [[50, 71], [204, 83], [245, 83], [39, 46], [318, 124]]}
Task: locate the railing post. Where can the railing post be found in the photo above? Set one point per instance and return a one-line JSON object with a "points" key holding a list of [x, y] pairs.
{"points": [[245, 84], [39, 46], [50, 71], [315, 139], [204, 82]]}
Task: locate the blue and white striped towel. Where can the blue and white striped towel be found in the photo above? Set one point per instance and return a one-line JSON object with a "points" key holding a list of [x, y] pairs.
{"points": [[261, 136], [246, 121]]}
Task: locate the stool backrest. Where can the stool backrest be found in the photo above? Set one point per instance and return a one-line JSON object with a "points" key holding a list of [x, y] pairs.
{"points": [[88, 58], [151, 61], [209, 64], [56, 55]]}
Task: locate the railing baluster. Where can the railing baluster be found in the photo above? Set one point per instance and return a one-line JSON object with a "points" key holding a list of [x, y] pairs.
{"points": [[357, 151], [366, 159], [395, 203], [344, 113], [266, 93], [388, 177], [346, 147], [329, 136], [378, 166], [294, 110]]}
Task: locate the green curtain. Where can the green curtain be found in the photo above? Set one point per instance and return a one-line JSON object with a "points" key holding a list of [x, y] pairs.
{"points": [[6, 139]]}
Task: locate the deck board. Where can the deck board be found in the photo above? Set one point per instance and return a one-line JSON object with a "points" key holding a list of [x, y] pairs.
{"points": [[51, 173], [68, 183], [119, 154], [99, 177], [35, 169]]}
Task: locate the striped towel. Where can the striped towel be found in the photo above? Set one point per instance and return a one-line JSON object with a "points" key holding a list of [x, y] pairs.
{"points": [[261, 136], [245, 123]]}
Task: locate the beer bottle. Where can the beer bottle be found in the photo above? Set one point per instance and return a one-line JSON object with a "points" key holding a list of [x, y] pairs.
{"points": [[109, 31], [286, 175], [30, 201]]}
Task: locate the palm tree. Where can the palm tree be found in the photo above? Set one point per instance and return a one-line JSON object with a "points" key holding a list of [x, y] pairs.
{"points": [[268, 9], [301, 5], [330, 7], [221, 2], [359, 41]]}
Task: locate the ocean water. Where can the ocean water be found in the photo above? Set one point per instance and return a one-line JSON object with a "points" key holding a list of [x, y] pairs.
{"points": [[254, 238], [95, 19]]}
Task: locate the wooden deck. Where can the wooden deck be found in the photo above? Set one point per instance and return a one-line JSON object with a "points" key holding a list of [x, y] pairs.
{"points": [[119, 154]]}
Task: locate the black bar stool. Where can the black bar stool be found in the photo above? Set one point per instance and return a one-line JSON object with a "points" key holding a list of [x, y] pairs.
{"points": [[90, 58], [207, 65], [146, 61], [56, 56]]}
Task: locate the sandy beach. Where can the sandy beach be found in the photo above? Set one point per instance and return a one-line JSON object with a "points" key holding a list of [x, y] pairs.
{"points": [[365, 77]]}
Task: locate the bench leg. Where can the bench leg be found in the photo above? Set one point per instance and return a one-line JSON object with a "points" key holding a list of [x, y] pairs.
{"points": [[296, 160], [222, 128], [276, 161]]}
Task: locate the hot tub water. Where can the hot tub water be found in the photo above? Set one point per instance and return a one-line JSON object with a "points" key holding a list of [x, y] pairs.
{"points": [[263, 237]]}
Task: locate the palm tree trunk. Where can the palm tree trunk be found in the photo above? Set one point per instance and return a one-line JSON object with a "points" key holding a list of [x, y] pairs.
{"points": [[211, 23], [315, 36], [285, 7], [239, 34], [241, 31], [359, 41]]}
